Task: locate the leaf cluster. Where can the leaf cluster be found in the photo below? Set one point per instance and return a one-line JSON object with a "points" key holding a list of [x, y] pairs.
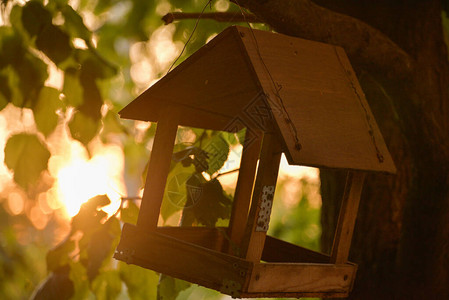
{"points": [[81, 265], [201, 200]]}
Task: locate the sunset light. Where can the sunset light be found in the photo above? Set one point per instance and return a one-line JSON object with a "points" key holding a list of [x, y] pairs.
{"points": [[81, 179]]}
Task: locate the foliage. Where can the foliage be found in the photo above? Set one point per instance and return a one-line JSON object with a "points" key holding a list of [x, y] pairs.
{"points": [[95, 48], [19, 274]]}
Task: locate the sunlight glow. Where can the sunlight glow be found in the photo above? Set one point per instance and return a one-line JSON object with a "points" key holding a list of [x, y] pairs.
{"points": [[81, 179], [16, 203]]}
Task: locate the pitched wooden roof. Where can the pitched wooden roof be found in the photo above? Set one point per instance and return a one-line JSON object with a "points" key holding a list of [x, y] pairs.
{"points": [[312, 93]]}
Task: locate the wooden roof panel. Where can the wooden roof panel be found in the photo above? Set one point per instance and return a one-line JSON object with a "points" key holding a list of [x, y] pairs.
{"points": [[215, 78], [313, 91], [310, 88]]}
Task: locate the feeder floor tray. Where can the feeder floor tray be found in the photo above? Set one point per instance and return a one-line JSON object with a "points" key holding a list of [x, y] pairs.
{"points": [[172, 251]]}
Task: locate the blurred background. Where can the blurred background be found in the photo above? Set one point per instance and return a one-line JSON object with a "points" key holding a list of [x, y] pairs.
{"points": [[66, 69]]}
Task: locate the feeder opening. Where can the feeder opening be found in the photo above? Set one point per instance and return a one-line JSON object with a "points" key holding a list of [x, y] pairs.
{"points": [[203, 174], [296, 209]]}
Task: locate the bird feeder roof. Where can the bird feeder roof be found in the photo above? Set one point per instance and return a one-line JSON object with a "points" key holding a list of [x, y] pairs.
{"points": [[309, 89]]}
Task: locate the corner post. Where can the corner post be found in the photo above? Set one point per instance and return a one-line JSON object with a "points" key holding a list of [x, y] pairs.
{"points": [[243, 190], [158, 168], [259, 216], [347, 217]]}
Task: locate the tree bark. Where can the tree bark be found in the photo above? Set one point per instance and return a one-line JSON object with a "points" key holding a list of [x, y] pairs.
{"points": [[401, 240]]}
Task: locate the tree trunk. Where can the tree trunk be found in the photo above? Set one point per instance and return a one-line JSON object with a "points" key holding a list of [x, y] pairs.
{"points": [[401, 239]]}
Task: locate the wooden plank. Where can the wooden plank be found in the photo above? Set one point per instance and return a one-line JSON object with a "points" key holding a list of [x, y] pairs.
{"points": [[182, 260], [211, 238], [158, 169], [388, 163], [215, 78], [199, 118], [314, 91], [347, 217], [253, 241], [276, 250], [294, 295], [318, 279], [243, 191]]}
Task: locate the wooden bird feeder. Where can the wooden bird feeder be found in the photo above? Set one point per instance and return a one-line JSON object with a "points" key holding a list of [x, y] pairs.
{"points": [[292, 95]]}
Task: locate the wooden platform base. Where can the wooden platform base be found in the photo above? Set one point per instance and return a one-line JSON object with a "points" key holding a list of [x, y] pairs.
{"points": [[171, 251]]}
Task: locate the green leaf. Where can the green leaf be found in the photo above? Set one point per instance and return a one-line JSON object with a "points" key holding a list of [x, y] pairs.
{"points": [[5, 91], [99, 250], [89, 218], [136, 158], [78, 276], [98, 201], [169, 287], [74, 23], [95, 66], [11, 47], [111, 126], [107, 285], [27, 157], [72, 89], [92, 100], [211, 204], [35, 17], [60, 255], [83, 128], [175, 195], [104, 5], [31, 75], [141, 283], [54, 42], [217, 149], [57, 286], [130, 213], [45, 110], [135, 21]]}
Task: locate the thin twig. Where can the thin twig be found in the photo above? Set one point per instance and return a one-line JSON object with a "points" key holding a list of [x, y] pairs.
{"points": [[227, 172], [234, 17]]}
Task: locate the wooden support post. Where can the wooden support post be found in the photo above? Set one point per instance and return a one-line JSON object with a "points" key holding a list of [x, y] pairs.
{"points": [[158, 169], [254, 238], [347, 217], [243, 191]]}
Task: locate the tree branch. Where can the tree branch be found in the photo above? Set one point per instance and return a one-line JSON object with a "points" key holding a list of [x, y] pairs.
{"points": [[365, 45], [235, 17]]}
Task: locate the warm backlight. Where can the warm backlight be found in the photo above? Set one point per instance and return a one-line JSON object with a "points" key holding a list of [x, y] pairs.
{"points": [[80, 178]]}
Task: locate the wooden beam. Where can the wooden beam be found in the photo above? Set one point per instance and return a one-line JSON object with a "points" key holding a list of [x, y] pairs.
{"points": [[276, 250], [183, 260], [305, 278], [243, 191], [158, 169], [211, 238], [254, 239], [347, 217]]}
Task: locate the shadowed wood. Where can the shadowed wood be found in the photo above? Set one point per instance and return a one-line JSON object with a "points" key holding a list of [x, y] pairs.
{"points": [[211, 238], [295, 295], [276, 250], [197, 118], [214, 79], [320, 97], [180, 259], [243, 191], [346, 219], [253, 241], [158, 169]]}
